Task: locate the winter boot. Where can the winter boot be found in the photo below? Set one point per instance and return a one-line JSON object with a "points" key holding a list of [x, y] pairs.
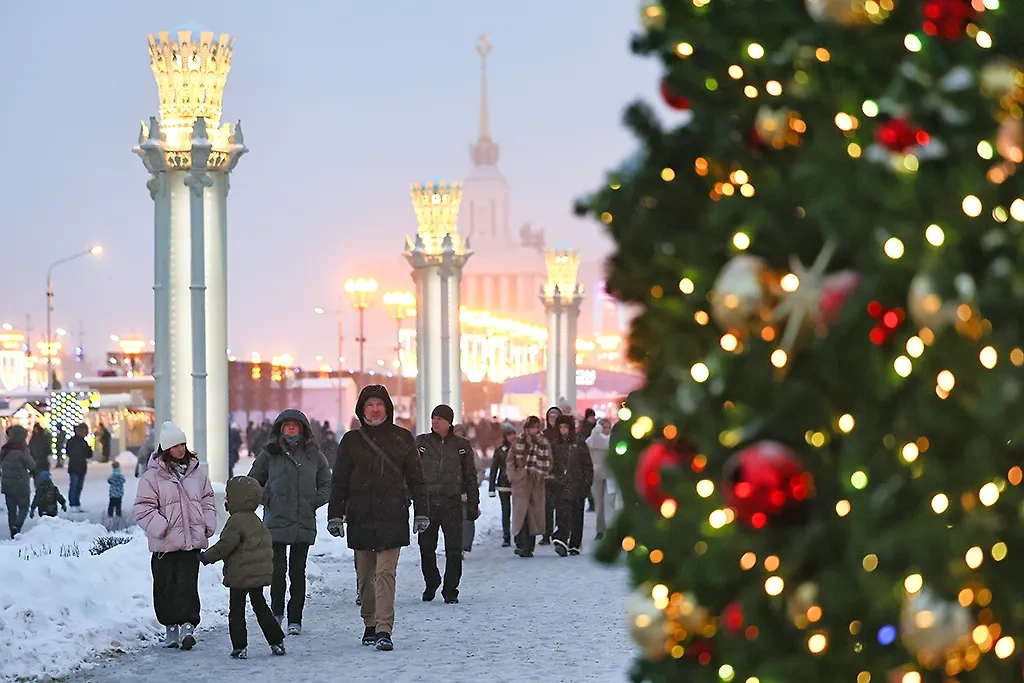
{"points": [[278, 650], [561, 548], [574, 551], [240, 653], [171, 637], [506, 543], [545, 540], [384, 642], [370, 636], [294, 629], [188, 639], [429, 593]]}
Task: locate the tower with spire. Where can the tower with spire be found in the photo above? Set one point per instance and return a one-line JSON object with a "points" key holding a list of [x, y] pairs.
{"points": [[485, 200]]}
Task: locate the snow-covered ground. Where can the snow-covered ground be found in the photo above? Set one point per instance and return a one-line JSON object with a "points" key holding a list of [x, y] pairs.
{"points": [[90, 618]]}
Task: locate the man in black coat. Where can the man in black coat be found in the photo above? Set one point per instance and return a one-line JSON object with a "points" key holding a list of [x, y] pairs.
{"points": [[449, 475], [377, 472], [79, 454], [574, 475]]}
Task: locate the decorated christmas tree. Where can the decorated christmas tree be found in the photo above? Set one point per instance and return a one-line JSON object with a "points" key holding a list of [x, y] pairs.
{"points": [[822, 474]]}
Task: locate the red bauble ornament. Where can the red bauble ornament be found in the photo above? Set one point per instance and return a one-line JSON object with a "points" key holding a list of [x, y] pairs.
{"points": [[766, 481], [671, 98], [655, 458], [837, 290], [899, 136], [947, 19], [888, 321], [701, 650], [732, 619]]}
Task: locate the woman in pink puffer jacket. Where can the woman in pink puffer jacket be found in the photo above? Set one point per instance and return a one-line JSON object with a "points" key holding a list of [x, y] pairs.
{"points": [[175, 505]]}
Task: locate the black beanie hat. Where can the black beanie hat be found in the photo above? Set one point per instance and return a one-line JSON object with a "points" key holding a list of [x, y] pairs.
{"points": [[444, 412]]}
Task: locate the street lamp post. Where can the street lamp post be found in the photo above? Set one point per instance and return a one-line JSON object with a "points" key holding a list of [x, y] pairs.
{"points": [[49, 310], [340, 359], [400, 305], [361, 292]]}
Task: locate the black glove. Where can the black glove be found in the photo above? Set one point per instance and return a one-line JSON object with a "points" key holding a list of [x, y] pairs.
{"points": [[202, 557]]}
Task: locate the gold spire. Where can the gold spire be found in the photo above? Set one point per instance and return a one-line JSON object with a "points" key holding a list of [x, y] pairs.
{"points": [[484, 152]]}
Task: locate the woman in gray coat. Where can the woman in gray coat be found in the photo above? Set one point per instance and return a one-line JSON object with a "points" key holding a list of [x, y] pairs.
{"points": [[296, 480]]}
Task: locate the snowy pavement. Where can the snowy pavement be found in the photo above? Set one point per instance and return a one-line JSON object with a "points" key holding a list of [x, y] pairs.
{"points": [[541, 619]]}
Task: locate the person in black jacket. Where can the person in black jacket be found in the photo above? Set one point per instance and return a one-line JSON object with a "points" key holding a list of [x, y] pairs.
{"points": [[449, 475], [574, 476], [500, 484], [40, 446], [79, 453], [376, 473], [47, 497]]}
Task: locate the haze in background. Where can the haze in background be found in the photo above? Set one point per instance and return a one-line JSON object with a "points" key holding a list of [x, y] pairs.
{"points": [[343, 104]]}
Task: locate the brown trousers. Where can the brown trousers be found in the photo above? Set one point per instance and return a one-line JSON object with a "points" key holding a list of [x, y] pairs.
{"points": [[375, 579]]}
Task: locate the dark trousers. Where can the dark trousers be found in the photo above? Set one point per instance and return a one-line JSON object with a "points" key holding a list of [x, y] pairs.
{"points": [[526, 540], [552, 503], [236, 617], [75, 484], [114, 507], [176, 587], [17, 511], [570, 521], [506, 514], [446, 516], [290, 560]]}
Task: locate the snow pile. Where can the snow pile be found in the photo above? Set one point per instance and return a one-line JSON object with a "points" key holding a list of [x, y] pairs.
{"points": [[56, 611]]}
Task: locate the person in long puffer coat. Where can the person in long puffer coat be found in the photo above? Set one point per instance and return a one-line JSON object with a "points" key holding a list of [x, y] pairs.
{"points": [[175, 506], [574, 476], [16, 471]]}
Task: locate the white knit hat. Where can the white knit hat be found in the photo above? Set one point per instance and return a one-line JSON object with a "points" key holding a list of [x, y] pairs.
{"points": [[170, 436]]}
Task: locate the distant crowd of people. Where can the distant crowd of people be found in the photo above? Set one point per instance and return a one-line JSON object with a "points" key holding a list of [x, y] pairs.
{"points": [[543, 472]]}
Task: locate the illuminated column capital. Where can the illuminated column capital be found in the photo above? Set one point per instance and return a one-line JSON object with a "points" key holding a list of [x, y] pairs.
{"points": [[563, 267], [436, 204]]}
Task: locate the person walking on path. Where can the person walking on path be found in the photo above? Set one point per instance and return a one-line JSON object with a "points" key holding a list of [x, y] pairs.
{"points": [[116, 483], [247, 549], [376, 473], [499, 484], [528, 465], [551, 491], [449, 477], [296, 482], [604, 502], [574, 475], [79, 454], [40, 445], [175, 506], [17, 469]]}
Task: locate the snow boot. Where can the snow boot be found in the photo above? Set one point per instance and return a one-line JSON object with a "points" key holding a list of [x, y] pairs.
{"points": [[429, 593], [370, 636], [294, 629], [561, 548], [171, 637], [188, 639], [545, 540], [240, 653], [574, 551], [506, 543], [278, 650], [384, 642]]}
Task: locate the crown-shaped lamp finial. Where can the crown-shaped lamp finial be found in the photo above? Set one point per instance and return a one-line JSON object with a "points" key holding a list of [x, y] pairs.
{"points": [[563, 266], [437, 206], [190, 68]]}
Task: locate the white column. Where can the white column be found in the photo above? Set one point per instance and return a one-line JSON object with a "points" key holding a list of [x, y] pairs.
{"points": [[422, 413], [217, 414], [179, 329], [455, 342], [571, 314], [159, 190], [551, 369], [432, 334], [198, 181]]}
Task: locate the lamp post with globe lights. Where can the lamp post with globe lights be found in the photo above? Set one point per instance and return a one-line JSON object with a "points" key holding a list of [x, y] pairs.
{"points": [[401, 305], [94, 251], [361, 291]]}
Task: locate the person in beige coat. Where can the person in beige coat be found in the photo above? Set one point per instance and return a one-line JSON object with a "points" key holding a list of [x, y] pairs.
{"points": [[528, 464]]}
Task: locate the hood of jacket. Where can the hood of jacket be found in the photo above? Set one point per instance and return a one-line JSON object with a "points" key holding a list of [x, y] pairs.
{"points": [[547, 416], [375, 391], [566, 420], [244, 494], [291, 415], [17, 436]]}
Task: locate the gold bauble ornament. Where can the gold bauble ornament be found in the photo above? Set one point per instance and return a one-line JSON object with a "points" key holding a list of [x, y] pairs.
{"points": [[648, 626], [931, 627], [741, 292], [652, 16], [691, 616], [1001, 79], [772, 126], [925, 304], [849, 12], [802, 599], [1010, 140]]}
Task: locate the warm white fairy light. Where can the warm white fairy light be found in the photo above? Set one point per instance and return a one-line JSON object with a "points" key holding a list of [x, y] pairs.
{"points": [[893, 248], [934, 235]]}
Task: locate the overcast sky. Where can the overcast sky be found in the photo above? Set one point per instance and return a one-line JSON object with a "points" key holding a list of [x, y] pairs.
{"points": [[343, 104]]}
